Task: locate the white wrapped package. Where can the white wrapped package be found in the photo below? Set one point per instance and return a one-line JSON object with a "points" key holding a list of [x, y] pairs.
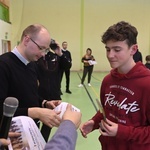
{"points": [[62, 107]]}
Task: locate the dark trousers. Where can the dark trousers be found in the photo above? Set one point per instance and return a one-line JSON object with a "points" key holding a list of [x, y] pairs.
{"points": [[67, 75], [89, 70], [45, 130]]}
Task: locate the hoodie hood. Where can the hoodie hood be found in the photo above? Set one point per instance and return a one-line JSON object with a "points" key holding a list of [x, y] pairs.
{"points": [[139, 70]]}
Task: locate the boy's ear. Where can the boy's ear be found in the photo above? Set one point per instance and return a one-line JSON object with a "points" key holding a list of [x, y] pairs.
{"points": [[134, 49]]}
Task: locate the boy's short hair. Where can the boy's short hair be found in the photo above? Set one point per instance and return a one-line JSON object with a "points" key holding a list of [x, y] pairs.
{"points": [[119, 32]]}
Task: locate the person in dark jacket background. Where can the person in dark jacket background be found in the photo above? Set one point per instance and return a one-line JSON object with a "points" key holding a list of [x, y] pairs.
{"points": [[49, 75], [67, 71], [138, 56], [147, 64]]}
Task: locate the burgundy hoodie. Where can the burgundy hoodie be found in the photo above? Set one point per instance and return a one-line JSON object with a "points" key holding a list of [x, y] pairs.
{"points": [[126, 101]]}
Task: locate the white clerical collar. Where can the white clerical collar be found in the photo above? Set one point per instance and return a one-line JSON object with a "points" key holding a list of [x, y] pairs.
{"points": [[17, 53], [64, 49]]}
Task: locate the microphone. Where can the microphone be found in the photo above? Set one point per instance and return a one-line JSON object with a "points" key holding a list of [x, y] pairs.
{"points": [[9, 107]]}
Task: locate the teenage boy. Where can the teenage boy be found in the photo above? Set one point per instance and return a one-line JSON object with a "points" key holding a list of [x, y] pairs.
{"points": [[124, 94]]}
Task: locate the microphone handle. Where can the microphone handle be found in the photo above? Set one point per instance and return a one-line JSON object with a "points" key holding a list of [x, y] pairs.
{"points": [[4, 148], [5, 126], [4, 129]]}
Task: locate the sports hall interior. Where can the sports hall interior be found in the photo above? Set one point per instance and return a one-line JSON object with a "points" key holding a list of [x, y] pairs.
{"points": [[81, 23]]}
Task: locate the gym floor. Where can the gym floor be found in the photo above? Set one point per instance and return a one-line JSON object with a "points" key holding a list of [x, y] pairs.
{"points": [[84, 98]]}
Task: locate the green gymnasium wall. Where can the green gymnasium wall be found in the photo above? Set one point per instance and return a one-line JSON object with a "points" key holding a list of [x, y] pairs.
{"points": [[4, 12]]}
